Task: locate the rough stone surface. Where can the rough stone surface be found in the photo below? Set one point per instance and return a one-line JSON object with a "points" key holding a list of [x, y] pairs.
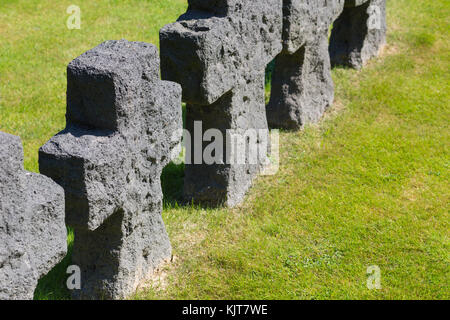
{"points": [[121, 121], [359, 33], [218, 51], [33, 235], [302, 87]]}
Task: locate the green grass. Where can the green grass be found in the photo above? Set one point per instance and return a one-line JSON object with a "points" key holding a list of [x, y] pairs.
{"points": [[36, 47], [369, 185]]}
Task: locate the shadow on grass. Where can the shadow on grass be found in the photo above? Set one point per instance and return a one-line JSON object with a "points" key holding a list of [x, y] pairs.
{"points": [[53, 285], [172, 185]]}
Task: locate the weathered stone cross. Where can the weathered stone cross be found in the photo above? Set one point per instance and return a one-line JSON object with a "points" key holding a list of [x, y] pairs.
{"points": [[218, 52], [121, 121], [33, 235], [359, 33], [302, 88]]}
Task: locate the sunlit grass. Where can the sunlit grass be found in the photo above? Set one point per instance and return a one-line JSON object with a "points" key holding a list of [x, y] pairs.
{"points": [[367, 186]]}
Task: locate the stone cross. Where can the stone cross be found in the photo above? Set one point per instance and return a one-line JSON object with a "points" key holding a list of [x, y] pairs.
{"points": [[302, 87], [218, 51], [122, 124], [33, 235], [359, 33]]}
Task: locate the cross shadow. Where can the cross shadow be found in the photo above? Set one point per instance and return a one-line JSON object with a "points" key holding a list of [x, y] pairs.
{"points": [[172, 181]]}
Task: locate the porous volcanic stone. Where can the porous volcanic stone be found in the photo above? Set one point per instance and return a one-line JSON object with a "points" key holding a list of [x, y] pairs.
{"points": [[302, 87], [218, 52], [121, 129], [359, 33], [33, 235]]}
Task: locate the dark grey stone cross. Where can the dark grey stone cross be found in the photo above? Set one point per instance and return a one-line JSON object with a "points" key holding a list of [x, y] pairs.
{"points": [[33, 235], [121, 129], [218, 52]]}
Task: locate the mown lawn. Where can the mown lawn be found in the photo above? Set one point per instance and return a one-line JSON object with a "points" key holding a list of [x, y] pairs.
{"points": [[367, 186]]}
